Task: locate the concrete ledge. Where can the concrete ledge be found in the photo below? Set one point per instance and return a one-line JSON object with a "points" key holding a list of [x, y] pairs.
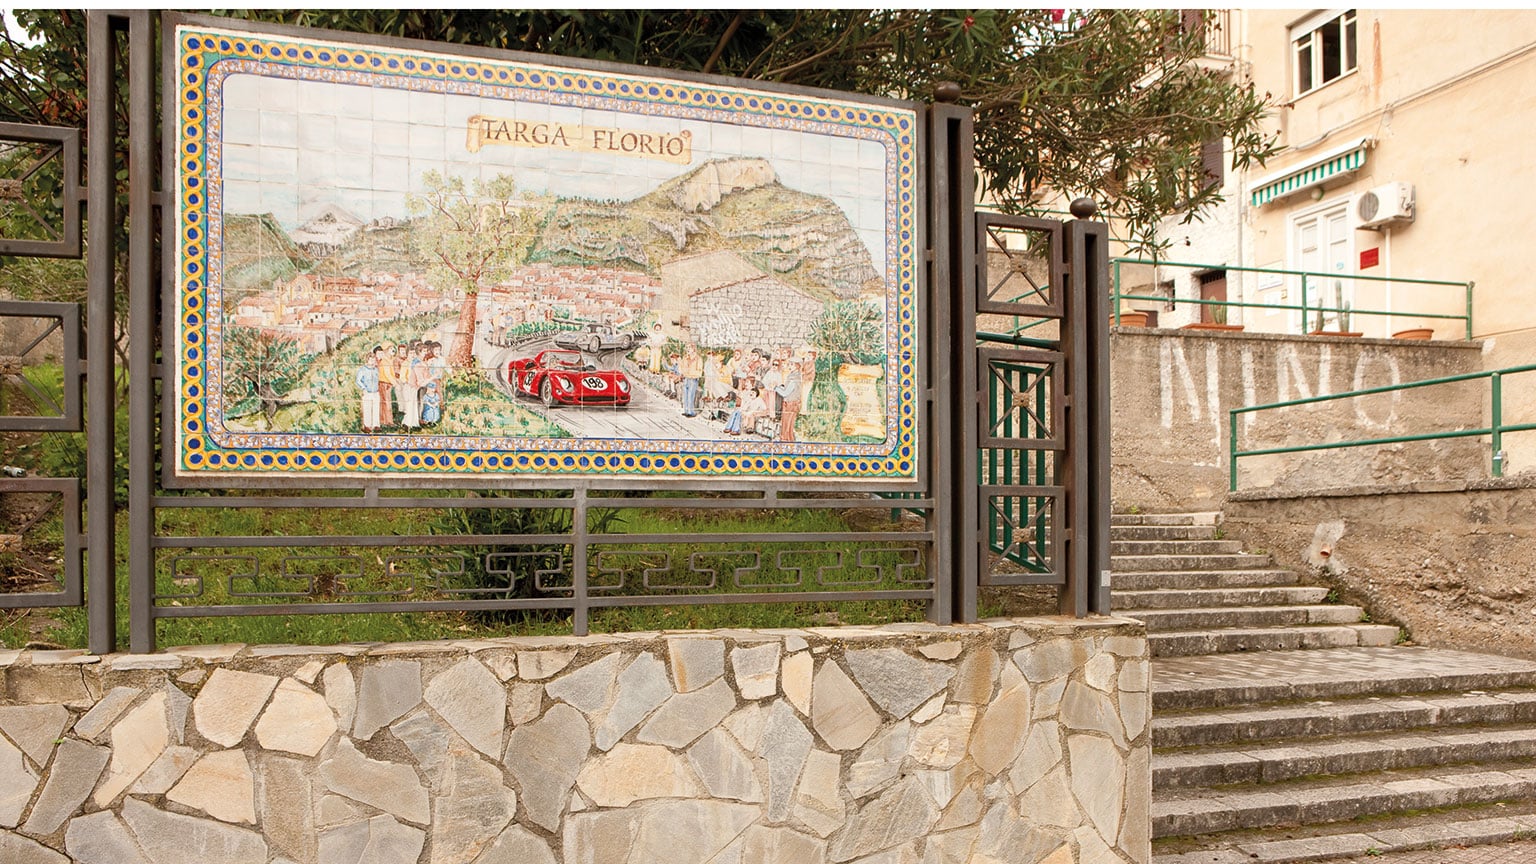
{"points": [[1427, 487]]}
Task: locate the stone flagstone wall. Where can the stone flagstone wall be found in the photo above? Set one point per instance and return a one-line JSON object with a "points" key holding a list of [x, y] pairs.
{"points": [[1011, 741]]}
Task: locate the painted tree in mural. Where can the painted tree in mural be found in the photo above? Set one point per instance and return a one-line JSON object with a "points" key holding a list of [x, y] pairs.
{"points": [[473, 235], [270, 366]]}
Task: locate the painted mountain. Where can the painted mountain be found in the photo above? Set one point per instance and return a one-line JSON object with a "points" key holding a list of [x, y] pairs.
{"points": [[257, 251], [732, 204], [735, 205]]}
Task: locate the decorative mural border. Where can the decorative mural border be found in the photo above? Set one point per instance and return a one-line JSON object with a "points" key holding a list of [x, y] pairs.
{"points": [[205, 451]]}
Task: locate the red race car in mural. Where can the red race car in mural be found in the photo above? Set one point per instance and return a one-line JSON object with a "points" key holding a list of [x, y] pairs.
{"points": [[558, 377]]}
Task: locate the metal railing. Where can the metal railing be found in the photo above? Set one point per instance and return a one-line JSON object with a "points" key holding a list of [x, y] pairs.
{"points": [[1312, 301], [1496, 428]]}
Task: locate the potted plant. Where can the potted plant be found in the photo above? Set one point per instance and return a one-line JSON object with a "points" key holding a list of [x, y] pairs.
{"points": [[1129, 318], [1343, 330], [1218, 321]]}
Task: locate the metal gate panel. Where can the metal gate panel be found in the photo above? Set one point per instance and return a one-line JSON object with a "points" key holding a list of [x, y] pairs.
{"points": [[49, 143], [67, 490], [1038, 460]]}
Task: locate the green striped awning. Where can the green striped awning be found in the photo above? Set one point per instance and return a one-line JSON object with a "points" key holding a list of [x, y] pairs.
{"points": [[1339, 160]]}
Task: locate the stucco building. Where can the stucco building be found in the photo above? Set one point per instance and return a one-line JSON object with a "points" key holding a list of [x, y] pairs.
{"points": [[1404, 138]]}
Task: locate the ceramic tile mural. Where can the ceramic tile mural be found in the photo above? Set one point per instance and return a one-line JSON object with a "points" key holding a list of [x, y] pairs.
{"points": [[398, 263]]}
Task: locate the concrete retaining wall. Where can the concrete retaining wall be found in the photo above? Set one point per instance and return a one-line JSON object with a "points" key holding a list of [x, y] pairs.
{"points": [[1171, 391], [1024, 740], [1450, 562]]}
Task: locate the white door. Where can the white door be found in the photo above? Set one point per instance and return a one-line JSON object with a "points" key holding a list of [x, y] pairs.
{"points": [[1323, 242]]}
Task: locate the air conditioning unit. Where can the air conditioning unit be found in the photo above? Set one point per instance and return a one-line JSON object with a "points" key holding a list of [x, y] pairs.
{"points": [[1385, 205]]}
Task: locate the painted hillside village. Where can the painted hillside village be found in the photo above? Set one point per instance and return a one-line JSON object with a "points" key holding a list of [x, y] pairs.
{"points": [[721, 306]]}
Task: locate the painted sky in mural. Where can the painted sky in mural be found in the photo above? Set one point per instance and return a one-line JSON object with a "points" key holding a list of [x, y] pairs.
{"points": [[421, 264]]}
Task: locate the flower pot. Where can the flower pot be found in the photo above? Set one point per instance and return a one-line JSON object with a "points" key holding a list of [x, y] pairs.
{"points": [[1130, 318], [1211, 325], [1415, 333]]}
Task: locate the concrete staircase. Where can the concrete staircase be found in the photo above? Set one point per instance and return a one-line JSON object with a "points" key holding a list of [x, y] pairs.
{"points": [[1265, 753]]}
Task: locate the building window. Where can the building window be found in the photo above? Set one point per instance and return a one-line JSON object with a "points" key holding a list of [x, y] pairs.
{"points": [[1213, 163], [1324, 49]]}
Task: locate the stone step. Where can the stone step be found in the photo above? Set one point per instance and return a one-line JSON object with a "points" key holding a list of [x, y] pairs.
{"points": [[1245, 617], [1200, 518], [1247, 680], [1144, 563], [1183, 643], [1279, 762], [1131, 602], [1162, 532], [1200, 811], [1118, 548], [1153, 580], [1341, 717], [1444, 829]]}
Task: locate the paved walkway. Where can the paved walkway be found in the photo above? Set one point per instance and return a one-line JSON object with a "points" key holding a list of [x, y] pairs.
{"points": [[1503, 853]]}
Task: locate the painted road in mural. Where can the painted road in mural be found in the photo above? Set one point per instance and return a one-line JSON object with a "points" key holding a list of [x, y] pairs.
{"points": [[654, 412], [395, 262]]}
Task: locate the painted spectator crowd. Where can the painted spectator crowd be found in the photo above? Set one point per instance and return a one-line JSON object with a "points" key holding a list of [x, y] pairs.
{"points": [[741, 385], [402, 386]]}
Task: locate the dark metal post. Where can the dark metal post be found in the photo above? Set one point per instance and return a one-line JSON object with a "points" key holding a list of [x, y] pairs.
{"points": [[142, 293], [1074, 468], [580, 535], [1089, 243], [101, 581], [953, 436]]}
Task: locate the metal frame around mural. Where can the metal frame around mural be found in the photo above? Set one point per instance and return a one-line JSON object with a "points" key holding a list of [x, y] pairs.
{"points": [[934, 560]]}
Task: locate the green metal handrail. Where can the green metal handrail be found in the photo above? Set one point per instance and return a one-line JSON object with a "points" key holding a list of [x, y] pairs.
{"points": [[1303, 307], [1496, 428]]}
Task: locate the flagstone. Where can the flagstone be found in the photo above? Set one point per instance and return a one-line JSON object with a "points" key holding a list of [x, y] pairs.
{"points": [[724, 768], [785, 744], [895, 680], [473, 702], [297, 721], [517, 845], [642, 687], [544, 757], [388, 690], [92, 723], [696, 661], [163, 773], [37, 728], [17, 783], [96, 838], [219, 784], [389, 786], [472, 808], [839, 712], [340, 693], [228, 703], [76, 768], [380, 840], [632, 772], [286, 803], [686, 716], [589, 688], [756, 670], [796, 679], [174, 838], [137, 741]]}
